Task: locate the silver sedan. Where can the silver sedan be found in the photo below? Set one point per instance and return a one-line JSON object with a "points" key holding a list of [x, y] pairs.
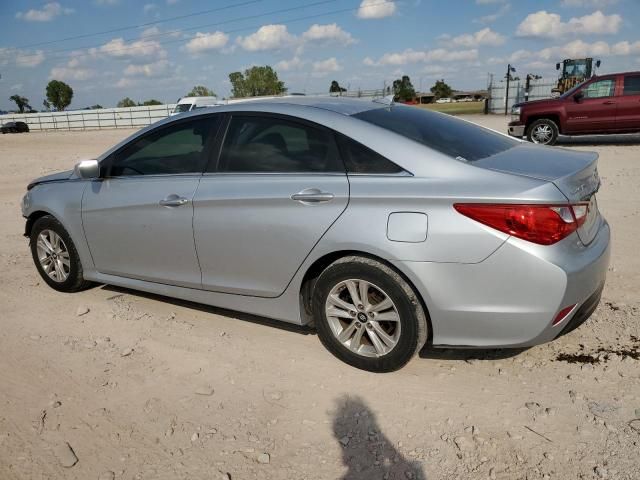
{"points": [[386, 227]]}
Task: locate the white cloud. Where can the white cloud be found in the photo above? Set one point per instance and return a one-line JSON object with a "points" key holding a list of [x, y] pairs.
{"points": [[48, 12], [327, 33], [17, 86], [486, 36], [28, 59], [118, 48], [588, 3], [545, 24], [324, 67], [485, 19], [69, 74], [172, 2], [294, 64], [153, 69], [376, 9], [149, 7], [107, 2], [203, 42], [268, 37], [420, 56], [489, 2]]}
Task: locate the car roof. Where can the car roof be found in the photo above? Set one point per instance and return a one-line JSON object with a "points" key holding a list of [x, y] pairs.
{"points": [[342, 105]]}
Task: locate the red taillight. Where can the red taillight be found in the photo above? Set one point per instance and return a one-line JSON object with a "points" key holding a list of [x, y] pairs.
{"points": [[541, 224], [562, 314]]}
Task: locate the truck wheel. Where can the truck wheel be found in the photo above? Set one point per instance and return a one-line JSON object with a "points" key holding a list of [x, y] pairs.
{"points": [[543, 132]]}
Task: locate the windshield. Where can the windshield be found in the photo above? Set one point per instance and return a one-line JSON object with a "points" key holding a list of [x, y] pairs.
{"points": [[444, 133], [571, 91], [183, 107]]}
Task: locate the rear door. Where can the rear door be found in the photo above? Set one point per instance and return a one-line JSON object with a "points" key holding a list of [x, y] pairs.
{"points": [[277, 187], [595, 111], [138, 218], [629, 104]]}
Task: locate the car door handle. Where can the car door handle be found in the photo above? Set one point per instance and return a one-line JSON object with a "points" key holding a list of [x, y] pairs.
{"points": [[312, 195], [609, 102], [173, 201]]}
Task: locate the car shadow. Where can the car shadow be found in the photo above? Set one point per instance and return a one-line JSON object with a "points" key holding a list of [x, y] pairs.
{"points": [[598, 140], [245, 317], [366, 451]]}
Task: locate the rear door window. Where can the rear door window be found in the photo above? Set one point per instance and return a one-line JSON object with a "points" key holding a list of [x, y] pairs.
{"points": [[271, 144], [446, 134], [631, 85]]}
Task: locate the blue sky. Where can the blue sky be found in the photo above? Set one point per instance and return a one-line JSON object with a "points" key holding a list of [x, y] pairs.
{"points": [[360, 43]]}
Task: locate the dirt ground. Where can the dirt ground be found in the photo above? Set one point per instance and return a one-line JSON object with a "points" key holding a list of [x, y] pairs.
{"points": [[144, 387]]}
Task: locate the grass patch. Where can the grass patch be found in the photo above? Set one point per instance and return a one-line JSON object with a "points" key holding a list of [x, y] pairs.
{"points": [[458, 108]]}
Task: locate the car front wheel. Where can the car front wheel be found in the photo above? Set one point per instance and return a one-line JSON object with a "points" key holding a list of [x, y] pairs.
{"points": [[55, 256], [367, 315], [543, 132]]}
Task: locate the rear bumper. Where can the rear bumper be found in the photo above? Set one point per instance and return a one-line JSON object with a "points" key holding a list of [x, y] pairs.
{"points": [[516, 129], [511, 298]]}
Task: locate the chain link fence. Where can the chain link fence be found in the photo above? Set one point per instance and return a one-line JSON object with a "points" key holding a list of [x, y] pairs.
{"points": [[538, 89]]}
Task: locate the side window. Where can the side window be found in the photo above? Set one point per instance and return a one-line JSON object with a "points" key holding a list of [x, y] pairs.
{"points": [[631, 85], [599, 89], [363, 160], [176, 149], [275, 145]]}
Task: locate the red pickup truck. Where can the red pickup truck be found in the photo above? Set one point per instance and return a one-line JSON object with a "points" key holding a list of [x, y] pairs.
{"points": [[603, 104]]}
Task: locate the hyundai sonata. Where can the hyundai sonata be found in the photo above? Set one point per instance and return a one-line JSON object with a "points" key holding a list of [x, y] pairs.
{"points": [[384, 226]]}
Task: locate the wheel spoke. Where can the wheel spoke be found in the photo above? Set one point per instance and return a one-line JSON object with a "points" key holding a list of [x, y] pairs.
{"points": [[44, 244], [388, 340], [354, 346], [337, 312], [64, 258], [389, 316], [383, 305], [347, 332], [338, 302], [55, 241], [375, 340], [363, 287], [353, 291]]}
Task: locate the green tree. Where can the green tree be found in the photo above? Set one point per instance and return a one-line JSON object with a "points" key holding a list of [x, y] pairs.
{"points": [[441, 89], [126, 102], [59, 94], [97, 106], [336, 88], [152, 101], [46, 105], [256, 81], [403, 89], [21, 102], [201, 91]]}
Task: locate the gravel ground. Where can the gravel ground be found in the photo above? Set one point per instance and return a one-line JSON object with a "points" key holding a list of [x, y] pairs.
{"points": [[114, 384]]}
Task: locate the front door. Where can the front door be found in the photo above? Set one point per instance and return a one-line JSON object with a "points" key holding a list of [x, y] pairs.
{"points": [[629, 104], [138, 218], [595, 111], [278, 186]]}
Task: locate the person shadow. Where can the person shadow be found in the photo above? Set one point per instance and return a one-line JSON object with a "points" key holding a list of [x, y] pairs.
{"points": [[367, 452]]}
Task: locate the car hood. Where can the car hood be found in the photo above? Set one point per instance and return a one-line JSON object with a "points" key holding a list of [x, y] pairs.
{"points": [[54, 177], [548, 101]]}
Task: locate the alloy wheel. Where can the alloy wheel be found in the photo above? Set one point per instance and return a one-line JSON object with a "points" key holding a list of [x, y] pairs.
{"points": [[363, 318], [53, 255], [542, 134]]}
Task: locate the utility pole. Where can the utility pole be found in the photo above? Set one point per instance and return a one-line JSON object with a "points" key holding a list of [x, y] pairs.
{"points": [[530, 76], [506, 95]]}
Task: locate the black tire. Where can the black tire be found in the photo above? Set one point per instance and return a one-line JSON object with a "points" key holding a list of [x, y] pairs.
{"points": [[75, 281], [413, 318], [534, 132]]}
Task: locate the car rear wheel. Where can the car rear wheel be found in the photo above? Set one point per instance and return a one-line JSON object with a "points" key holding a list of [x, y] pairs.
{"points": [[367, 315], [55, 256], [543, 132]]}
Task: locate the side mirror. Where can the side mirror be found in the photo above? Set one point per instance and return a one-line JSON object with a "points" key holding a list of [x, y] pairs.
{"points": [[87, 169], [578, 96], [557, 66], [598, 63]]}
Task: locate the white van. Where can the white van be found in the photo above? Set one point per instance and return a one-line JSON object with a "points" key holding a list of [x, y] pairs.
{"points": [[187, 104]]}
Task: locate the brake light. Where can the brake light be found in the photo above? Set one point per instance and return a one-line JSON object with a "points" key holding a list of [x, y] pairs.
{"points": [[541, 224]]}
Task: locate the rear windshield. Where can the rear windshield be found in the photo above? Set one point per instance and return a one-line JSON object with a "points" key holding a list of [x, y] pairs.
{"points": [[182, 107], [444, 133]]}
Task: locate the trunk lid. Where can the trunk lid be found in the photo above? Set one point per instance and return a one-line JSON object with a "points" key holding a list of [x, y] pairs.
{"points": [[574, 173]]}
